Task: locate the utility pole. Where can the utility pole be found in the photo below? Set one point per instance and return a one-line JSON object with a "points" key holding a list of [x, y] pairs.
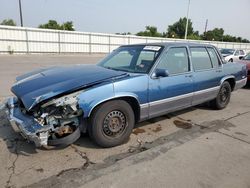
{"points": [[21, 14], [186, 31], [206, 26], [205, 31]]}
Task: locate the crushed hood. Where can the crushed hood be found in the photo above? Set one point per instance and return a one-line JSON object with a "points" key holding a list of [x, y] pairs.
{"points": [[40, 85]]}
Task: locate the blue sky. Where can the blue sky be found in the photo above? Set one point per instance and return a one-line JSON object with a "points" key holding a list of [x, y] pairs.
{"points": [[112, 16]]}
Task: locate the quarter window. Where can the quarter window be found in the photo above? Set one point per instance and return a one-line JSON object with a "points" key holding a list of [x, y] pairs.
{"points": [[214, 57], [200, 59]]}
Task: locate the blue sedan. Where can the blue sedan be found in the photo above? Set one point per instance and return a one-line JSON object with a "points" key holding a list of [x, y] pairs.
{"points": [[133, 83]]}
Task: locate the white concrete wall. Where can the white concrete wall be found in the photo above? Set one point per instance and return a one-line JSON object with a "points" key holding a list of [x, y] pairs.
{"points": [[32, 40]]}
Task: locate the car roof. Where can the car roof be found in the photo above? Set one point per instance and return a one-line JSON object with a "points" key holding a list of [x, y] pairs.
{"points": [[167, 44]]}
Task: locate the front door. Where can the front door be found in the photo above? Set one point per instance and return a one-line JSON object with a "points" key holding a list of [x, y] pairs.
{"points": [[175, 91]]}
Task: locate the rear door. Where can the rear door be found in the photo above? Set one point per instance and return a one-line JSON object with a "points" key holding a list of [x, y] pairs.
{"points": [[207, 73], [176, 90]]}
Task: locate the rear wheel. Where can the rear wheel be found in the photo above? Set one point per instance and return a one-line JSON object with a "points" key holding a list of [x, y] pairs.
{"points": [[223, 97], [112, 123]]}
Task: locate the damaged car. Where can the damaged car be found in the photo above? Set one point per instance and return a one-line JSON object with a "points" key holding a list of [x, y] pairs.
{"points": [[53, 106]]}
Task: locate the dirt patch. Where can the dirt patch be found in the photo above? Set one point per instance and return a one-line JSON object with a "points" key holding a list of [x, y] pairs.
{"points": [[157, 129], [183, 124], [138, 131], [40, 170]]}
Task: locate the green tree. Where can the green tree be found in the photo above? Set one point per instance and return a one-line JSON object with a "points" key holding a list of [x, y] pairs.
{"points": [[245, 41], [68, 26], [194, 36], [52, 24], [229, 38], [178, 28], [9, 22], [215, 34], [151, 31]]}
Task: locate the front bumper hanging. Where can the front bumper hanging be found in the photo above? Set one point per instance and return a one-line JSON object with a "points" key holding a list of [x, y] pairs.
{"points": [[25, 124], [31, 130]]}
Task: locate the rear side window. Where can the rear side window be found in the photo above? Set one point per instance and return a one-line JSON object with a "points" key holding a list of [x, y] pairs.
{"points": [[214, 57], [175, 61], [200, 58], [242, 52]]}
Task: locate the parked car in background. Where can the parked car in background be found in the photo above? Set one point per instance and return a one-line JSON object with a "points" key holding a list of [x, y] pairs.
{"points": [[134, 83], [232, 55], [246, 60]]}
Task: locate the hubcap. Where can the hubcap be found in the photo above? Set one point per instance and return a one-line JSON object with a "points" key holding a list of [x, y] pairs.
{"points": [[114, 124], [224, 94]]}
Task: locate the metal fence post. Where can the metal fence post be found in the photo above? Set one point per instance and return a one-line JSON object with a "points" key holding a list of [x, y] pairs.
{"points": [[27, 41], [109, 44], [59, 42], [90, 47]]}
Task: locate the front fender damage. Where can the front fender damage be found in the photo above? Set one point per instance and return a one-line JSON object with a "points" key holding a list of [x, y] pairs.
{"points": [[54, 123]]}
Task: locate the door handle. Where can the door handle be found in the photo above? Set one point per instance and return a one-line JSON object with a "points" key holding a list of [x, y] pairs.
{"points": [[189, 76], [218, 70]]}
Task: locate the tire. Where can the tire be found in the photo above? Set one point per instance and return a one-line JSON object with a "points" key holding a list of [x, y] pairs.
{"points": [[112, 123], [231, 60], [223, 97]]}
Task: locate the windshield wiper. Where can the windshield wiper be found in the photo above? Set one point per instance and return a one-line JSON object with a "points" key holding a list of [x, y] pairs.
{"points": [[116, 69]]}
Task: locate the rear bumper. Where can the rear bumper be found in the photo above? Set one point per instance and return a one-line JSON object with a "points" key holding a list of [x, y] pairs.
{"points": [[26, 125], [240, 83]]}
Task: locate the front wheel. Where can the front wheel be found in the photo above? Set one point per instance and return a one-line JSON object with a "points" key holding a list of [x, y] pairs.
{"points": [[223, 97], [112, 123]]}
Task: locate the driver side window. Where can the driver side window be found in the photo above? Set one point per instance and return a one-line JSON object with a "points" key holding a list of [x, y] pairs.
{"points": [[175, 61]]}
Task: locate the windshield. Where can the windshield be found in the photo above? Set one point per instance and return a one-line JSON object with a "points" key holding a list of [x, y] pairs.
{"points": [[247, 57], [135, 59], [227, 51]]}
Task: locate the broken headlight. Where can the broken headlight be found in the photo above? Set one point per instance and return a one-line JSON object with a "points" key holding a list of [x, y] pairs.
{"points": [[62, 115]]}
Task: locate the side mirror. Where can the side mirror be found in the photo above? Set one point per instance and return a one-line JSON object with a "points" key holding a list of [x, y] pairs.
{"points": [[160, 73]]}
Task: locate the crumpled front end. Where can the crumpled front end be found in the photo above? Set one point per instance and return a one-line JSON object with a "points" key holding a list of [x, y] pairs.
{"points": [[54, 123]]}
